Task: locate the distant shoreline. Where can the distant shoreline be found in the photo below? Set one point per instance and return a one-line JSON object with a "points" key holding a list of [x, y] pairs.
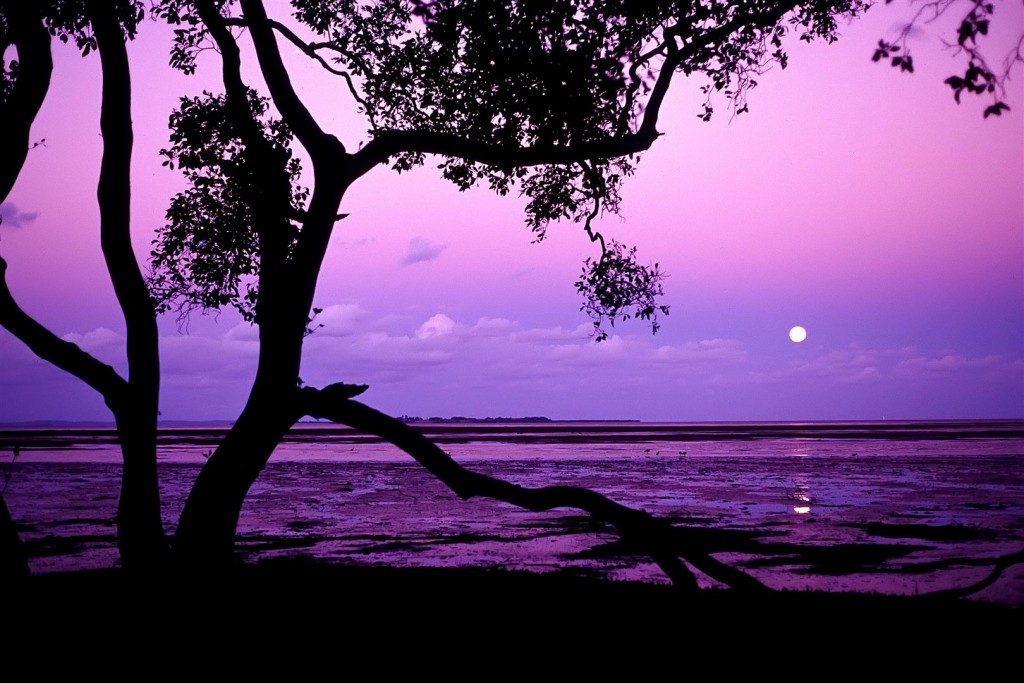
{"points": [[1012, 422], [61, 436], [226, 424]]}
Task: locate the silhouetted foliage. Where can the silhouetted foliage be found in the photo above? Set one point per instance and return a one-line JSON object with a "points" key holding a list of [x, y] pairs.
{"points": [[614, 282], [204, 257], [980, 76], [552, 103]]}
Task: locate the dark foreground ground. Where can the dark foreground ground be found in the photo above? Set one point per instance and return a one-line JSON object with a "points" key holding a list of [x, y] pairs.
{"points": [[302, 616]]}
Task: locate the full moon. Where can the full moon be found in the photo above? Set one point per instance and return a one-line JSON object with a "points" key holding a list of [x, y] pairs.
{"points": [[797, 334]]}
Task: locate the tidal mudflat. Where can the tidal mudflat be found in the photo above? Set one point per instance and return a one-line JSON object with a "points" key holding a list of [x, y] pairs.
{"points": [[900, 515]]}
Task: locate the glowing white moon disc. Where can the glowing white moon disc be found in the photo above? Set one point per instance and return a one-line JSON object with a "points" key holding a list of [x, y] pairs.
{"points": [[797, 334]]}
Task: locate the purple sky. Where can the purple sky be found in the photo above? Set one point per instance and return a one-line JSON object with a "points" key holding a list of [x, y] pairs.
{"points": [[856, 201]]}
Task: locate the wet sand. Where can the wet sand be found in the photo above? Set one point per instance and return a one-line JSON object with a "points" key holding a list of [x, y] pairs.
{"points": [[904, 516]]}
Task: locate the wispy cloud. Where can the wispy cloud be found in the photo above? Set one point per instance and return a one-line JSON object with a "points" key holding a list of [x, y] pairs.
{"points": [[12, 217], [948, 363], [437, 364], [421, 250], [502, 349], [856, 365]]}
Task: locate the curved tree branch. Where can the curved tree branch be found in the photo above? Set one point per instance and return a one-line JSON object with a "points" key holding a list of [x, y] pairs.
{"points": [[325, 151], [663, 541], [588, 223], [273, 243], [65, 355], [1002, 563], [140, 532], [308, 49], [331, 163], [292, 109], [635, 83], [35, 65], [114, 198], [231, 73], [388, 143]]}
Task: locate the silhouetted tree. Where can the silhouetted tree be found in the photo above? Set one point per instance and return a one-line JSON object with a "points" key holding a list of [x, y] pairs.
{"points": [[557, 100], [102, 27]]}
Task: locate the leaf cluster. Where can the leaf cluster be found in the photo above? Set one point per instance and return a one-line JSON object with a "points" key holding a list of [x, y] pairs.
{"points": [[617, 287], [207, 254], [754, 42], [978, 77], [190, 35], [887, 50], [68, 20]]}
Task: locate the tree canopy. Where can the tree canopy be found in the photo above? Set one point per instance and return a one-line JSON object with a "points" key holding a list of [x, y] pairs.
{"points": [[558, 104]]}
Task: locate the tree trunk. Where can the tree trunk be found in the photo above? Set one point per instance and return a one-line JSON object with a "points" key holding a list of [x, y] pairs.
{"points": [[13, 562], [140, 533], [140, 528], [287, 282], [206, 531]]}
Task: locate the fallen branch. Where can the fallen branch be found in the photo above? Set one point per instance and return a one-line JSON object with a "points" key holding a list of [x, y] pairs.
{"points": [[1003, 563], [656, 536]]}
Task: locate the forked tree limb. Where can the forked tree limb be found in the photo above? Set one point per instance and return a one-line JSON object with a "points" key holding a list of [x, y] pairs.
{"points": [[293, 110], [308, 49], [296, 283], [656, 536]]}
